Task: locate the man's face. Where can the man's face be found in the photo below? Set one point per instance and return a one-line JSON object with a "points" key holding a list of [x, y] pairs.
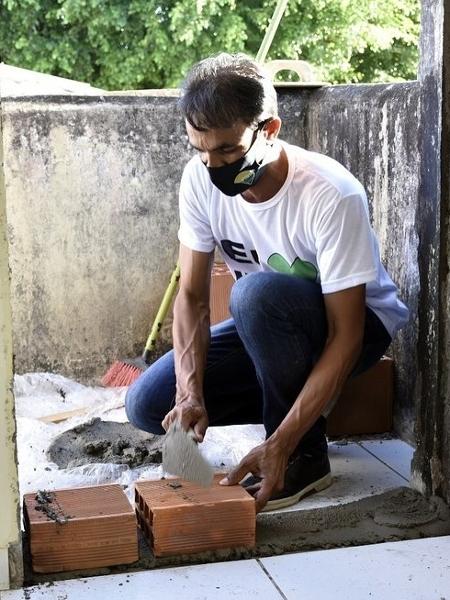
{"points": [[219, 147]]}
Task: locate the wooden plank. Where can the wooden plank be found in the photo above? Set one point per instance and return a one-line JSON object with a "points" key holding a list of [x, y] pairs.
{"points": [[64, 415]]}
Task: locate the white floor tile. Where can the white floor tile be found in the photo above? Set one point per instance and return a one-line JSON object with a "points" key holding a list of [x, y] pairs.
{"points": [[356, 474], [411, 570], [395, 453], [218, 581]]}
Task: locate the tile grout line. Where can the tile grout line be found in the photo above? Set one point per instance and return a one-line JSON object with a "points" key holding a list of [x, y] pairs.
{"points": [[360, 444], [274, 583]]}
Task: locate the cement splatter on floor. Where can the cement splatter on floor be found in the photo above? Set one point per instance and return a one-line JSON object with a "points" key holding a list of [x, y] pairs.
{"points": [[105, 442]]}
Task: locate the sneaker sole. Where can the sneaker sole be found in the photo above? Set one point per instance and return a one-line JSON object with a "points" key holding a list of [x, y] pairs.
{"points": [[317, 486]]}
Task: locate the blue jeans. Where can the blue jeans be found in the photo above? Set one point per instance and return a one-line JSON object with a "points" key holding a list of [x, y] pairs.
{"points": [[259, 360]]}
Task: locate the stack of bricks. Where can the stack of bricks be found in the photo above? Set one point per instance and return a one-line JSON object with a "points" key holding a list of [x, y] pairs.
{"points": [[179, 517], [81, 528]]}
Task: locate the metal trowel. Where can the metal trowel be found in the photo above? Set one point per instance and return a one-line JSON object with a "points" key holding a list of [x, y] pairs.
{"points": [[181, 456]]}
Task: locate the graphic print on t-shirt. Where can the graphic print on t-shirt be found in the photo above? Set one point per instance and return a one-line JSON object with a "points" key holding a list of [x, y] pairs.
{"points": [[299, 268]]}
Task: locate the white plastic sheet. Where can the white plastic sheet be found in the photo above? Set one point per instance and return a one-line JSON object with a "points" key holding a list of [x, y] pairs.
{"points": [[41, 394]]}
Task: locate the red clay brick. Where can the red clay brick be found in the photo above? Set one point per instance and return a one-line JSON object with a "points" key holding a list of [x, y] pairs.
{"points": [[365, 405], [179, 517], [221, 284], [100, 530]]}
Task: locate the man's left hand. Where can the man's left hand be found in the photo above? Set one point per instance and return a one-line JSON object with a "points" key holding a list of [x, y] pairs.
{"points": [[268, 461]]}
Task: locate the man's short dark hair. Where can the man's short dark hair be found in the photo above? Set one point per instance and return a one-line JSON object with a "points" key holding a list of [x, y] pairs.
{"points": [[224, 89]]}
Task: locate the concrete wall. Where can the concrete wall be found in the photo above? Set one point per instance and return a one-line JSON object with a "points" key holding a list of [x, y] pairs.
{"points": [[441, 478], [431, 465], [92, 200], [373, 130], [92, 206]]}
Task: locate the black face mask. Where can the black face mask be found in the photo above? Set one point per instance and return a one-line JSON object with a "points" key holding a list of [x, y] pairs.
{"points": [[238, 176]]}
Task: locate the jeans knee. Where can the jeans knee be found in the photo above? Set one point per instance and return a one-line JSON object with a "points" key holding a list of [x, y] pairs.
{"points": [[150, 397], [249, 292], [131, 402], [140, 410], [267, 292]]}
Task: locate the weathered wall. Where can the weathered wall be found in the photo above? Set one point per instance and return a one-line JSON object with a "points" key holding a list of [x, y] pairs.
{"points": [[92, 199], [442, 481], [431, 465], [92, 194], [373, 131]]}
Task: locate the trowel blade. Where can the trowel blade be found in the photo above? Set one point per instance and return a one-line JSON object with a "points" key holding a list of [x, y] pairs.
{"points": [[181, 456]]}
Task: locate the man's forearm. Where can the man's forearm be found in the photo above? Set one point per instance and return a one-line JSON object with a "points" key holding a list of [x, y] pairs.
{"points": [[322, 386], [191, 336]]}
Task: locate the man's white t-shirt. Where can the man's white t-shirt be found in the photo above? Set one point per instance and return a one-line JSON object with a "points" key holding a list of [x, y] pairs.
{"points": [[316, 226]]}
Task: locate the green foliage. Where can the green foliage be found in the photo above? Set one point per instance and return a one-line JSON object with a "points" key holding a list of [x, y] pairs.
{"points": [[136, 44]]}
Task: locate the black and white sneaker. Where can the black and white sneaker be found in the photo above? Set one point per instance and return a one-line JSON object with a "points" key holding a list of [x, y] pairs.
{"points": [[305, 474]]}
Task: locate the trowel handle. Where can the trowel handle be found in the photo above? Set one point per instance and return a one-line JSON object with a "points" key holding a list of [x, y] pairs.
{"points": [[162, 312]]}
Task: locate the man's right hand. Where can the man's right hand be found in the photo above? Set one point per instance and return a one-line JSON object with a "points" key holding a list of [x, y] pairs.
{"points": [[190, 414]]}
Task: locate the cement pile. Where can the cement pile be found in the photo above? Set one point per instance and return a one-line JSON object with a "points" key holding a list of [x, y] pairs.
{"points": [[105, 442]]}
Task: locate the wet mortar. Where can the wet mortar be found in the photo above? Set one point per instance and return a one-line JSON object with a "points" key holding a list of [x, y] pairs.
{"points": [[100, 441], [47, 503]]}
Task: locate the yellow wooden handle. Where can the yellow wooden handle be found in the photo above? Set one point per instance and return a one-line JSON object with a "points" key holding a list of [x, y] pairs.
{"points": [[162, 311]]}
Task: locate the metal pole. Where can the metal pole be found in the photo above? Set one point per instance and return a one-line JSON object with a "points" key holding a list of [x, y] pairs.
{"points": [[271, 30]]}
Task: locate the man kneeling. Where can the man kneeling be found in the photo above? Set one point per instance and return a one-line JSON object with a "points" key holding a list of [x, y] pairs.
{"points": [[312, 304]]}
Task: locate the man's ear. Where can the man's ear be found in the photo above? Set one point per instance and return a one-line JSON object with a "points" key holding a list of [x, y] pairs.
{"points": [[272, 128]]}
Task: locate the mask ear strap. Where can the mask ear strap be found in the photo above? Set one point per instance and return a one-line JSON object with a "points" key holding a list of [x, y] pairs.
{"points": [[262, 124]]}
